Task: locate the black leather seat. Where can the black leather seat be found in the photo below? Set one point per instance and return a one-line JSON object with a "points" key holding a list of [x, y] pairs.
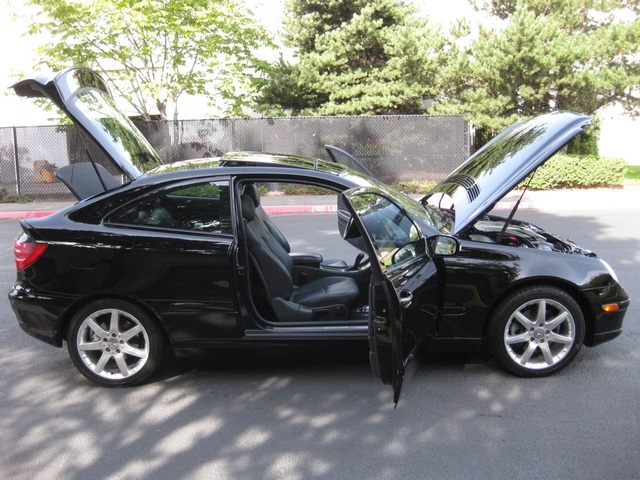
{"points": [[252, 190], [328, 297]]}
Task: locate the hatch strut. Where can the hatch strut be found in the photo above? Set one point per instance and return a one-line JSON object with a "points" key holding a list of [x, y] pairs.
{"points": [[91, 160], [514, 210]]}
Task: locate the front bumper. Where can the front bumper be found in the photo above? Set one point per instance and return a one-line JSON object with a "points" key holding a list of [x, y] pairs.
{"points": [[607, 325]]}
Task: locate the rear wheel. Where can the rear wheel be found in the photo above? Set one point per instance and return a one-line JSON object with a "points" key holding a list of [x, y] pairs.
{"points": [[115, 343], [536, 331]]}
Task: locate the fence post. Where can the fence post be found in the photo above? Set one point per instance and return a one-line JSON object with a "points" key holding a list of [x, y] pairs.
{"points": [[15, 159], [233, 135]]}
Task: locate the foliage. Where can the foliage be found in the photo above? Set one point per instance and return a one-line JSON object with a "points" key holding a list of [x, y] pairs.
{"points": [[414, 186], [154, 51], [566, 171], [299, 189], [632, 173], [354, 57], [13, 197], [544, 55], [586, 144]]}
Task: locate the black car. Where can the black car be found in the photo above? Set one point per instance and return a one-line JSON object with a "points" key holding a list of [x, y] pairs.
{"points": [[185, 256]]}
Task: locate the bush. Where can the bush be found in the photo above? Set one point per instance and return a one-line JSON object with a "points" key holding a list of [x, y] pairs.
{"points": [[296, 189], [586, 143], [566, 171], [414, 186], [13, 197]]}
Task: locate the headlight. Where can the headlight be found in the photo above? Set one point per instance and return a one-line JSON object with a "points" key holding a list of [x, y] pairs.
{"points": [[610, 270]]}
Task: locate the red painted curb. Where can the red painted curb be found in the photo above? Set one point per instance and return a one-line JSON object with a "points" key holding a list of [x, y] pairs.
{"points": [[26, 214], [291, 209]]}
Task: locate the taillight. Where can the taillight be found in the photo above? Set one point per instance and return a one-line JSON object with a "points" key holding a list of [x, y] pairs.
{"points": [[26, 251]]}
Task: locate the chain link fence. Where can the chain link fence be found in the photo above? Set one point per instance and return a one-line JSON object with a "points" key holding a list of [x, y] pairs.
{"points": [[395, 148]]}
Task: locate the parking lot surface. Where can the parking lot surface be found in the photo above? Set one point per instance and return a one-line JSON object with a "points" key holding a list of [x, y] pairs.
{"points": [[321, 413]]}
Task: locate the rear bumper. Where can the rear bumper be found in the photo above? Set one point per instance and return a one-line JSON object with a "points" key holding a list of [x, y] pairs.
{"points": [[38, 315]]}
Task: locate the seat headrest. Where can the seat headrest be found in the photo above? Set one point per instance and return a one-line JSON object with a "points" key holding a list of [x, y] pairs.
{"points": [[252, 190], [248, 207]]}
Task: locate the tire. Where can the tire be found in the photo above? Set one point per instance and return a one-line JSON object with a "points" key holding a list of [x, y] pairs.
{"points": [[536, 331], [115, 343]]}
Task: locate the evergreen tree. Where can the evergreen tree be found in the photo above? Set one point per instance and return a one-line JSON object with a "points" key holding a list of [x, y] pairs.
{"points": [[545, 55], [354, 57]]}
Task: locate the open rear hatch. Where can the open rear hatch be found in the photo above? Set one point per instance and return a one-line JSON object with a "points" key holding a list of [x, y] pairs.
{"points": [[84, 96]]}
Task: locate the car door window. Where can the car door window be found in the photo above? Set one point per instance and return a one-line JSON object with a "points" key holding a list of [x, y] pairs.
{"points": [[202, 207], [392, 232]]}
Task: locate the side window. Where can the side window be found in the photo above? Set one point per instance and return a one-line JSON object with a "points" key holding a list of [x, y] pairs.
{"points": [[392, 232], [202, 207]]}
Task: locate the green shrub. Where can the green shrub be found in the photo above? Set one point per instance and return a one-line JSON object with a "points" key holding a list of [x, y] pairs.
{"points": [[633, 172], [296, 189], [586, 143], [566, 171], [414, 186], [13, 197]]}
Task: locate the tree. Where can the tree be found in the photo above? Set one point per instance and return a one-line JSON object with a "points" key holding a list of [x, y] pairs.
{"points": [[545, 55], [354, 57], [154, 51]]}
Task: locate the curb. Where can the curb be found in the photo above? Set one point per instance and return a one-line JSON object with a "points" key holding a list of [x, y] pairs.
{"points": [[24, 214]]}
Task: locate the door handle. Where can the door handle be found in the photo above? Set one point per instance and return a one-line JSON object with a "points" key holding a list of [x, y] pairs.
{"points": [[377, 320], [406, 298]]}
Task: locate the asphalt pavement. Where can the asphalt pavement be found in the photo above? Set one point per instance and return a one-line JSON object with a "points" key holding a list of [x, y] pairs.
{"points": [[320, 414]]}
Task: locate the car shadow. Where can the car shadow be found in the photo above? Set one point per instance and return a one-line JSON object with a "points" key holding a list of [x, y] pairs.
{"points": [[322, 359]]}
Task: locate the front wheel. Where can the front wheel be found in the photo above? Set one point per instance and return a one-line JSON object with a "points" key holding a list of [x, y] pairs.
{"points": [[114, 343], [536, 331]]}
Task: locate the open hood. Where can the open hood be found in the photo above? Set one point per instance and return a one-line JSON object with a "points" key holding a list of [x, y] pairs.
{"points": [[495, 169], [84, 96]]}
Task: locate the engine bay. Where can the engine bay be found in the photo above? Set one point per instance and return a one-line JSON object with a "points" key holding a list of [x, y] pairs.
{"points": [[491, 229]]}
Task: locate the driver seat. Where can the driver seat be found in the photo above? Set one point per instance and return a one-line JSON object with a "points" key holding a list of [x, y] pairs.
{"points": [[327, 297], [252, 190]]}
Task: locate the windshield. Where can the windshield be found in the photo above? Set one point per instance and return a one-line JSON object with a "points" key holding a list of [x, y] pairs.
{"points": [[441, 220], [436, 218]]}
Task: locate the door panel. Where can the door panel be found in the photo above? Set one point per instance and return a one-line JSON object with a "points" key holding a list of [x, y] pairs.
{"points": [[398, 254]]}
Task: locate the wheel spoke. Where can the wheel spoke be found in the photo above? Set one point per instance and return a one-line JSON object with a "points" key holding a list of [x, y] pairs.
{"points": [[523, 320], [113, 322], [557, 321], [122, 365], [513, 339], [96, 328], [542, 312], [554, 337], [136, 352], [102, 362], [132, 332], [526, 356], [83, 347], [546, 353]]}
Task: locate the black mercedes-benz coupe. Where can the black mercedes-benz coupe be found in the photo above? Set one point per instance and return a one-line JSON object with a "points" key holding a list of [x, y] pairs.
{"points": [[186, 256]]}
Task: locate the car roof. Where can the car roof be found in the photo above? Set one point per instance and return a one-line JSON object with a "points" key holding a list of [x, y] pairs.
{"points": [[235, 163]]}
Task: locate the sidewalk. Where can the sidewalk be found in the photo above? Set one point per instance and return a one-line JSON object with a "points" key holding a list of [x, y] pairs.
{"points": [[547, 200]]}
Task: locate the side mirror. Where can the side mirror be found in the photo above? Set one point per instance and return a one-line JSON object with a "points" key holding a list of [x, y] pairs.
{"points": [[443, 246]]}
